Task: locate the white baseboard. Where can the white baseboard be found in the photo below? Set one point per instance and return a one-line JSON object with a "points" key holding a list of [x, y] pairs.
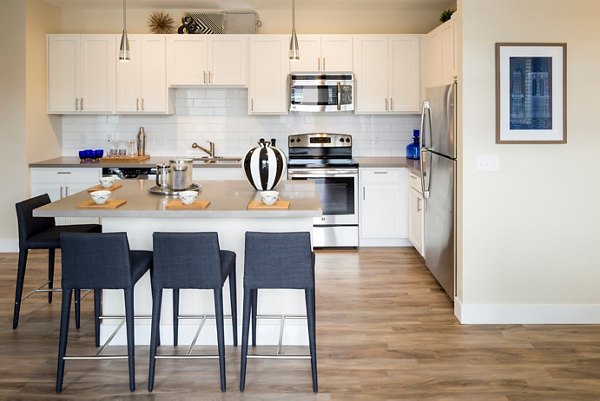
{"points": [[9, 245], [527, 313], [384, 242]]}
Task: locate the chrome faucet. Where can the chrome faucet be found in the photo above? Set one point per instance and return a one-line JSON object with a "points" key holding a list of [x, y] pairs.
{"points": [[210, 151]]}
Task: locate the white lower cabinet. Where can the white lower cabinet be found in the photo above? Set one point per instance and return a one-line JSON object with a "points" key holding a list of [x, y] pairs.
{"points": [[416, 217], [383, 207], [59, 183], [200, 174]]}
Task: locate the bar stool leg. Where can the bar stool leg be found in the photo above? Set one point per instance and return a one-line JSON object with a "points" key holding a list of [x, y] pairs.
{"points": [[218, 295], [97, 313], [154, 334], [51, 253], [254, 312], [312, 336], [63, 337], [245, 328], [175, 316], [233, 300], [130, 336], [19, 288], [77, 308]]}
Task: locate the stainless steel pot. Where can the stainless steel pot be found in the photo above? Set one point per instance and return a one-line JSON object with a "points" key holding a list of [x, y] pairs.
{"points": [[181, 174]]}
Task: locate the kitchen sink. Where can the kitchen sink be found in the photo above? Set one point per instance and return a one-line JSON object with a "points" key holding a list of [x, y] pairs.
{"points": [[217, 160]]}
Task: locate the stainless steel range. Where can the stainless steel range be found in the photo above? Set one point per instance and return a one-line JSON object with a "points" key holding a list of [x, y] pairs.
{"points": [[326, 159]]}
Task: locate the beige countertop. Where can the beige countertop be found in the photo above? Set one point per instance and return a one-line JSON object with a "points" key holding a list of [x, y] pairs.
{"points": [[389, 162], [228, 199], [73, 161]]}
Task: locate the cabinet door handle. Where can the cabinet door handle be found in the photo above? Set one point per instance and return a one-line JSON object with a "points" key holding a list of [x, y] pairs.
{"points": [[419, 200], [61, 192], [204, 76], [66, 191], [142, 104], [209, 77], [137, 104], [251, 104], [318, 63], [76, 103], [386, 104], [81, 104], [391, 104], [323, 63], [364, 193]]}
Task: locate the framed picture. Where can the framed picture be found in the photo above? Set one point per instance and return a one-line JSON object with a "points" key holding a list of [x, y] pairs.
{"points": [[531, 93]]}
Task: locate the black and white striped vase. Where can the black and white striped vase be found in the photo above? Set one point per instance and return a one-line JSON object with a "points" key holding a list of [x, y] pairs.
{"points": [[264, 165]]}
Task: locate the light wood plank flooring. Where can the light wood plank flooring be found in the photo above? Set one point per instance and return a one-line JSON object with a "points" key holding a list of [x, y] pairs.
{"points": [[385, 331]]}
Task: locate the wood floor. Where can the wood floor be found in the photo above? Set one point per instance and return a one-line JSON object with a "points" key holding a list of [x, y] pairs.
{"points": [[385, 331]]}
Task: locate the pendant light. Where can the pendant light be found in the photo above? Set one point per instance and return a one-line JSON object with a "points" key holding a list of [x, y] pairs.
{"points": [[294, 50], [124, 48]]}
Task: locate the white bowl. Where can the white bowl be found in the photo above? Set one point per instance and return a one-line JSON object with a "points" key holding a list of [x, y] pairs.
{"points": [[188, 197], [269, 197], [100, 197], [107, 182]]}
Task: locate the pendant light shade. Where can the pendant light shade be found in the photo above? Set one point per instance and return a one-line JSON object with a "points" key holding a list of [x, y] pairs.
{"points": [[294, 50], [124, 48]]}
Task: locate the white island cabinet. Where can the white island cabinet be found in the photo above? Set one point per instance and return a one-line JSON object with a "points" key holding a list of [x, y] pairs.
{"points": [[383, 207], [229, 216]]}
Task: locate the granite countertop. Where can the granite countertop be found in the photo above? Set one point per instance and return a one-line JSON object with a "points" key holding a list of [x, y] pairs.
{"points": [[227, 199], [73, 161], [389, 162]]}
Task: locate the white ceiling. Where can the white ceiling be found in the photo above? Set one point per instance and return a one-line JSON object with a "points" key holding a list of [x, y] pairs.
{"points": [[412, 5]]}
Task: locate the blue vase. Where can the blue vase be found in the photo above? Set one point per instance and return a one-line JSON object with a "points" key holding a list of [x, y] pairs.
{"points": [[412, 150]]}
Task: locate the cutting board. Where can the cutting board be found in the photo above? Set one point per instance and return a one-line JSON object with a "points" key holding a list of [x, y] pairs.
{"points": [[125, 159], [258, 205], [177, 204], [99, 187], [110, 204]]}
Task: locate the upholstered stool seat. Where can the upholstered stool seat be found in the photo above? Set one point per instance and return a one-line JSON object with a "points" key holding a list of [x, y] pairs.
{"points": [[284, 261], [191, 261]]}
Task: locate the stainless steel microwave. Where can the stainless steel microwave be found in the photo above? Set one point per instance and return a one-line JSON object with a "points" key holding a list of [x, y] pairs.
{"points": [[333, 91]]}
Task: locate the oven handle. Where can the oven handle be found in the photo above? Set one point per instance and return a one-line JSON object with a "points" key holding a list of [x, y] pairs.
{"points": [[322, 173]]}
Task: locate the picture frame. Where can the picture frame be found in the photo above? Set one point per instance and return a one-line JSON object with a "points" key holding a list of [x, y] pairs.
{"points": [[531, 93]]}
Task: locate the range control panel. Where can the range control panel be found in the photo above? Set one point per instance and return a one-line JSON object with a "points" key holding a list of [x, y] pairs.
{"points": [[320, 140]]}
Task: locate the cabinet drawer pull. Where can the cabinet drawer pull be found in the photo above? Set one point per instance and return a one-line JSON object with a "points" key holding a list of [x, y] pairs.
{"points": [[380, 172], [63, 172]]}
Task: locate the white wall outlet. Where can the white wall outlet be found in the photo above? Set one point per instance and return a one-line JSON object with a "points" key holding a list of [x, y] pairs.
{"points": [[109, 137], [488, 163]]}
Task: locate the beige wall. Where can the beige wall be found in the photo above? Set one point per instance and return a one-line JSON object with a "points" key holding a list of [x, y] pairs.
{"points": [[530, 231], [42, 130], [12, 114], [327, 20]]}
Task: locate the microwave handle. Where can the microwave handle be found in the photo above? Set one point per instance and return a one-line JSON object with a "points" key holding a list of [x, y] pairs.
{"points": [[339, 96]]}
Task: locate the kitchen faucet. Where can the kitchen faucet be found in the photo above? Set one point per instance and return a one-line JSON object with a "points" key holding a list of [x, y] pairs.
{"points": [[210, 152]]}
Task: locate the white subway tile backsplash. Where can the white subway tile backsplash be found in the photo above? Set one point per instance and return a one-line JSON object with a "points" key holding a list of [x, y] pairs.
{"points": [[221, 115]]}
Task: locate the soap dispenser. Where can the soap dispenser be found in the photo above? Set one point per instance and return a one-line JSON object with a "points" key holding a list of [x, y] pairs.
{"points": [[413, 149]]}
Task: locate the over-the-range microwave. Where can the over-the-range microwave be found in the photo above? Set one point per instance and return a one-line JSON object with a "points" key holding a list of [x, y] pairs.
{"points": [[316, 92]]}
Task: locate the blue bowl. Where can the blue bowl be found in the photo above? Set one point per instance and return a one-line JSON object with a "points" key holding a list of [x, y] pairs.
{"points": [[88, 153], [98, 153], [82, 154]]}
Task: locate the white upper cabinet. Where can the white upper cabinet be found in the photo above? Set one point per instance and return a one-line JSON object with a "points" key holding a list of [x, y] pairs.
{"points": [[324, 53], [441, 59], [141, 82], [198, 60], [81, 74], [268, 87], [387, 74]]}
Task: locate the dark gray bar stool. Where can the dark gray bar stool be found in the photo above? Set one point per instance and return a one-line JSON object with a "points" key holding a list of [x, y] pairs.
{"points": [[278, 260], [99, 261], [191, 261], [41, 233]]}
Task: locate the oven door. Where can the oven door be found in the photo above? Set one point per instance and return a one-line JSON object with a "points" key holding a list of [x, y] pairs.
{"points": [[338, 192]]}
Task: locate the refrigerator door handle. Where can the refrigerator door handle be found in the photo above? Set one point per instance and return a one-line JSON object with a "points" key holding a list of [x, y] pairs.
{"points": [[426, 110], [425, 172]]}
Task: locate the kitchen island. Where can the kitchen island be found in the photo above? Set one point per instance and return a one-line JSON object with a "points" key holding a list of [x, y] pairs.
{"points": [[227, 214]]}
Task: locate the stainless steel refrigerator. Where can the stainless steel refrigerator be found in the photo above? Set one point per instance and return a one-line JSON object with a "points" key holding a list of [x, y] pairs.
{"points": [[438, 175]]}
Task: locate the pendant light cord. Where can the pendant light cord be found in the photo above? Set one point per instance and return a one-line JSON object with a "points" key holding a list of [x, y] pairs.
{"points": [[124, 16], [293, 15]]}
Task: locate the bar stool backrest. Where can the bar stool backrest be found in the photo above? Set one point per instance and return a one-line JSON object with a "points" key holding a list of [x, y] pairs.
{"points": [[95, 260], [190, 258], [279, 260], [29, 225]]}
